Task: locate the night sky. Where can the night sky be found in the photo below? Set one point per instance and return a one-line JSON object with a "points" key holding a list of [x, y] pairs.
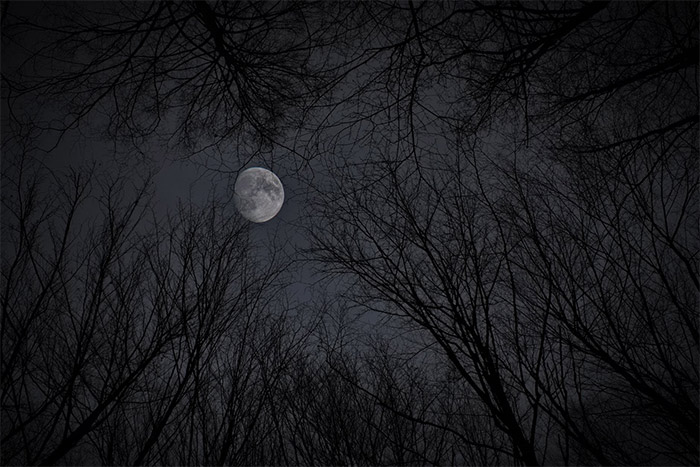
{"points": [[487, 252]]}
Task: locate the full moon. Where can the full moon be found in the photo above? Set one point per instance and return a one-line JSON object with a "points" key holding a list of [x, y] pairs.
{"points": [[258, 194]]}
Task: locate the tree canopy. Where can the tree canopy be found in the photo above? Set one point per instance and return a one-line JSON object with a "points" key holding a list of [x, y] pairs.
{"points": [[498, 200]]}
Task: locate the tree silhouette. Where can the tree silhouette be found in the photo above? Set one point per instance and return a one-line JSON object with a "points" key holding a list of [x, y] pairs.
{"points": [[506, 191], [115, 336], [190, 71], [588, 169]]}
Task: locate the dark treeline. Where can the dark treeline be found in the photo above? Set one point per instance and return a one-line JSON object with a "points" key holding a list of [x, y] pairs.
{"points": [[501, 210]]}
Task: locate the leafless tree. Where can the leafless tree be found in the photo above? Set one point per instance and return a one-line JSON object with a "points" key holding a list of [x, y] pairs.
{"points": [[118, 332], [430, 223], [514, 185], [194, 72]]}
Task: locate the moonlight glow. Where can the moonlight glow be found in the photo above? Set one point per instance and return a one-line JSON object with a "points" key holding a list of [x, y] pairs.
{"points": [[258, 194]]}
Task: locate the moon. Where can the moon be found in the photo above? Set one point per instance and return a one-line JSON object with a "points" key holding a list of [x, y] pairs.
{"points": [[258, 194]]}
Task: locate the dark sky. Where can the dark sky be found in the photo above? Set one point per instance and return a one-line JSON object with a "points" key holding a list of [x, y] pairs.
{"points": [[180, 175], [505, 194]]}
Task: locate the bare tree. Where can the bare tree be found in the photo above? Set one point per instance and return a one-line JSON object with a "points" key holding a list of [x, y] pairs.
{"points": [[514, 185], [541, 320], [195, 72], [114, 336]]}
